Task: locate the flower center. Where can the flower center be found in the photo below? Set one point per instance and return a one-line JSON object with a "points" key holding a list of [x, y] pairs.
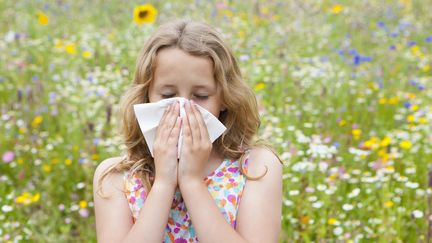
{"points": [[143, 14]]}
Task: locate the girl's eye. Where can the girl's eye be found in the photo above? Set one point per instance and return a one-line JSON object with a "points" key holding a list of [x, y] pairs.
{"points": [[167, 96], [201, 97]]}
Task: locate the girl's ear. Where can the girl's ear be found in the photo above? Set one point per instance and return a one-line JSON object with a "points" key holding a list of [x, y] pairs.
{"points": [[223, 108]]}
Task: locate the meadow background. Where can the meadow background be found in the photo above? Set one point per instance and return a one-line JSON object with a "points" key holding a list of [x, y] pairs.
{"points": [[344, 90]]}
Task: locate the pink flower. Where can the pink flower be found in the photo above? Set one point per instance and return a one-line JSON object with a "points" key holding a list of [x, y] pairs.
{"points": [[84, 212], [8, 156]]}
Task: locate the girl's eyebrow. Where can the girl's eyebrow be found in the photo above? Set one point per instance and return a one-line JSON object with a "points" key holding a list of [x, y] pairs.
{"points": [[195, 86]]}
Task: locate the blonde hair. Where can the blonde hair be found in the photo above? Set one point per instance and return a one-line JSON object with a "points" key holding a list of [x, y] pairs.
{"points": [[241, 115]]}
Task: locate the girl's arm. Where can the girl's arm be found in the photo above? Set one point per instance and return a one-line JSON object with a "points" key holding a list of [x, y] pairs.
{"points": [[260, 208], [113, 215]]}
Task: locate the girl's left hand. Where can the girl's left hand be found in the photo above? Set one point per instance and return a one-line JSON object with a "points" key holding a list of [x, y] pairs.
{"points": [[196, 147]]}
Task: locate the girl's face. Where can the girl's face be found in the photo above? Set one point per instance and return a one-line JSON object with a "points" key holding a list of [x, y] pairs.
{"points": [[179, 74]]}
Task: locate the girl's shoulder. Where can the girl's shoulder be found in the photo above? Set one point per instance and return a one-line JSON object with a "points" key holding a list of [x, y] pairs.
{"points": [[262, 158], [113, 181]]}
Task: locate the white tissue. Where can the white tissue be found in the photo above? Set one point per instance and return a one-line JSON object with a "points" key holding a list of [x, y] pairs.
{"points": [[150, 114]]}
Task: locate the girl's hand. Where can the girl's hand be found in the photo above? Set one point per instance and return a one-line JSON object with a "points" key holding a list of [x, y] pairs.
{"points": [[196, 146], [165, 146]]}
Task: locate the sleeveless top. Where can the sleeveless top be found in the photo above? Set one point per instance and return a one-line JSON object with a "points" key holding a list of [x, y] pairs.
{"points": [[225, 184]]}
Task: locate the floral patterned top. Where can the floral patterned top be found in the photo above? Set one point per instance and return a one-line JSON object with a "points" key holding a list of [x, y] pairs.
{"points": [[225, 184]]}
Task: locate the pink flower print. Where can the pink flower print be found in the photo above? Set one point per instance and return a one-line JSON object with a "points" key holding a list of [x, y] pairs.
{"points": [[233, 169], [232, 199], [132, 200]]}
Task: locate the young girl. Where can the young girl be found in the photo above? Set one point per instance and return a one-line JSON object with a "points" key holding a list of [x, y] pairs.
{"points": [[228, 191]]}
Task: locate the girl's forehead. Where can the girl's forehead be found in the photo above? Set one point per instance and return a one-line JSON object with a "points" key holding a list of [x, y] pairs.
{"points": [[175, 67]]}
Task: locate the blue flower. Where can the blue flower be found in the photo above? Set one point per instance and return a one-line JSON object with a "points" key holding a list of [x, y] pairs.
{"points": [[353, 52], [411, 43], [356, 60], [428, 39], [407, 105]]}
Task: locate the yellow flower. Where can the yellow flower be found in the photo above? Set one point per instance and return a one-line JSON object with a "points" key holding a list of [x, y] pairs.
{"points": [[390, 168], [259, 86], [414, 107], [411, 96], [382, 153], [411, 118], [95, 157], [144, 14], [385, 141], [333, 176], [55, 161], [36, 197], [68, 162], [342, 123], [83, 204], [58, 44], [43, 18], [356, 133], [372, 143], [337, 8], [26, 198], [382, 101], [332, 221], [393, 100], [388, 204], [46, 168], [423, 120], [87, 54], [36, 121], [426, 68], [415, 50], [405, 144], [70, 48]]}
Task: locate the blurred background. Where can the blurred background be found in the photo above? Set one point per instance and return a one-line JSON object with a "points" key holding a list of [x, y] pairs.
{"points": [[345, 97]]}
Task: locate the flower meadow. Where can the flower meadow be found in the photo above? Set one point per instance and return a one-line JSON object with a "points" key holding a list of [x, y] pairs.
{"points": [[344, 91]]}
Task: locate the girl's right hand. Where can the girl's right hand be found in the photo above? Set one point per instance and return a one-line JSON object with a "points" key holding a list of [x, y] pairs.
{"points": [[165, 146]]}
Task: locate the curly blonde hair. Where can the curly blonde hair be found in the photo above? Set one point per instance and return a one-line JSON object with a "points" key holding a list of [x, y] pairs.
{"points": [[240, 117]]}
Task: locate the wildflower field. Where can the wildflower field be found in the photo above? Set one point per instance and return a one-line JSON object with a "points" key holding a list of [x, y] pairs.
{"points": [[345, 97]]}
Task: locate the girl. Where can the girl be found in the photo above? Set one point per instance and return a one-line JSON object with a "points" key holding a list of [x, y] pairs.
{"points": [[209, 193]]}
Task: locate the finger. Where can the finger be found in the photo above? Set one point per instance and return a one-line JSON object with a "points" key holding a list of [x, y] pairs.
{"points": [[162, 121], [195, 132], [170, 120], [174, 116], [175, 132], [187, 135], [202, 126]]}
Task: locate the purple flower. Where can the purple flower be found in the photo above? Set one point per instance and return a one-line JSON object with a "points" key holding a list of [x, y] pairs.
{"points": [[407, 105], [84, 212], [428, 39], [357, 60], [8, 156], [411, 43]]}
